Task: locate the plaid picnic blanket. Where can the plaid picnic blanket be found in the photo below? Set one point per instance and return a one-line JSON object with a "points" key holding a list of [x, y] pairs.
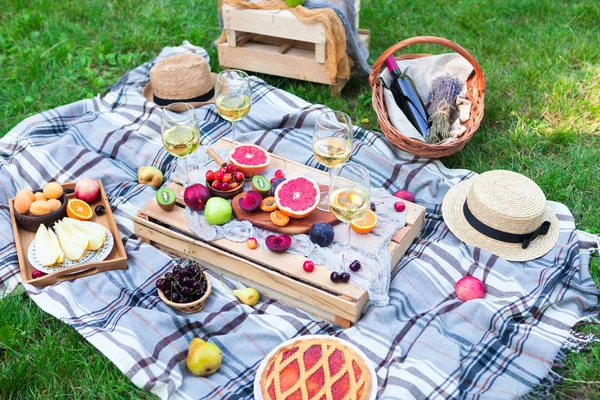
{"points": [[424, 344]]}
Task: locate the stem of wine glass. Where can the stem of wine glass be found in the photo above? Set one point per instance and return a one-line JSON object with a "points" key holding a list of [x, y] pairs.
{"points": [[324, 200], [185, 167], [233, 127], [349, 235]]}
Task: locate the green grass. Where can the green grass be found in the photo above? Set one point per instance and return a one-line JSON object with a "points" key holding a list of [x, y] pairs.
{"points": [[542, 118]]}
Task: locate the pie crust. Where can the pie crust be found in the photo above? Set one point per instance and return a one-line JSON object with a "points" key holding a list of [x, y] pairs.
{"points": [[316, 369]]}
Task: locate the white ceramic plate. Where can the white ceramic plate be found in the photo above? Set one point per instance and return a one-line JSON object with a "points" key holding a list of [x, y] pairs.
{"points": [[88, 256], [258, 393]]}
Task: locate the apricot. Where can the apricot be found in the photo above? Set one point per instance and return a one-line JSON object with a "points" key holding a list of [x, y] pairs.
{"points": [[22, 202], [40, 207], [54, 204], [53, 190], [39, 196], [26, 192]]}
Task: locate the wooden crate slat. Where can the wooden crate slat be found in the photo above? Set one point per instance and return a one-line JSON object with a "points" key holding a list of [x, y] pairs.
{"points": [[278, 23], [296, 63]]}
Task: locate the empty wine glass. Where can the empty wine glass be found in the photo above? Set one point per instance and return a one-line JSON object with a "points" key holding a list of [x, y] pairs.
{"points": [[332, 144], [350, 194], [180, 134], [233, 100]]}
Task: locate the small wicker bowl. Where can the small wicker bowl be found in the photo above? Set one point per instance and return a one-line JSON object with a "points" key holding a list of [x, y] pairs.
{"points": [[194, 306], [226, 194], [31, 223]]}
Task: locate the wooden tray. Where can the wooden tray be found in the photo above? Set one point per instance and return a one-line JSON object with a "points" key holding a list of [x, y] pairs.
{"points": [[278, 276], [262, 219], [117, 259]]}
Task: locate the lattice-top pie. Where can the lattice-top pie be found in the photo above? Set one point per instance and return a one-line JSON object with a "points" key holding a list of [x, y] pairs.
{"points": [[316, 369]]}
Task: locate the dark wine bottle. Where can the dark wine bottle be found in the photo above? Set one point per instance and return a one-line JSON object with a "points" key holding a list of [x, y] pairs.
{"points": [[408, 98]]}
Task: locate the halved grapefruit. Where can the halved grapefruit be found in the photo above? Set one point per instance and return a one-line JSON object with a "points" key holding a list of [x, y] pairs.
{"points": [[249, 159], [297, 197]]}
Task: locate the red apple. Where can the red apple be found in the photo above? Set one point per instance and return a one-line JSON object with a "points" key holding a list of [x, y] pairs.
{"points": [[87, 190], [196, 196], [469, 288]]}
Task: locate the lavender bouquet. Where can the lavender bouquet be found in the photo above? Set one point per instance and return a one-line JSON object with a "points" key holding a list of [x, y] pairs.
{"points": [[444, 91]]}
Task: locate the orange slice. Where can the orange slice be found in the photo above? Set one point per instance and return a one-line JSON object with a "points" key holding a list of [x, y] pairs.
{"points": [[279, 218], [79, 209], [366, 223]]}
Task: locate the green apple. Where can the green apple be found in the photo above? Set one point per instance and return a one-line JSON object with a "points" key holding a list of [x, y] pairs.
{"points": [[294, 3], [218, 211]]}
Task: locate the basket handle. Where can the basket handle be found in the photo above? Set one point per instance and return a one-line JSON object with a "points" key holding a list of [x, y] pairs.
{"points": [[374, 77]]}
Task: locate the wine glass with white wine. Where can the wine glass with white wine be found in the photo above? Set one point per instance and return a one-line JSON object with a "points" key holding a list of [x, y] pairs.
{"points": [[350, 194], [233, 92], [180, 134], [332, 144]]}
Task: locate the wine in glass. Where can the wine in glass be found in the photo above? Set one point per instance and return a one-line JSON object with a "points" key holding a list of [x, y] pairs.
{"points": [[350, 194], [233, 97], [332, 144], [180, 134]]}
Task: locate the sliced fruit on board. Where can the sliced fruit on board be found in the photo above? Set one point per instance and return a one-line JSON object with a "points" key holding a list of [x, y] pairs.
{"points": [[366, 224], [297, 197], [44, 248], [249, 159]]}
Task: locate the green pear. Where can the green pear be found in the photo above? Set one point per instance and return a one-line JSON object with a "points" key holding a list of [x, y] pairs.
{"points": [[203, 358], [149, 175], [248, 296]]}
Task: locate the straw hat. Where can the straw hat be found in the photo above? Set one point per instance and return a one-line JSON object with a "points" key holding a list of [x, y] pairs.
{"points": [[504, 213], [181, 78]]}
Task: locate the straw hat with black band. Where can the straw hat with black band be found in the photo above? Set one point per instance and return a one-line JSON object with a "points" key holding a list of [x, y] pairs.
{"points": [[181, 78], [504, 213]]}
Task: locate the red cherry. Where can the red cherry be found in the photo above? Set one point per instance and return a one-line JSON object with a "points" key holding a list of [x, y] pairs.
{"points": [[230, 168], [216, 185], [252, 243], [279, 174], [272, 180], [308, 266], [37, 274], [219, 175], [233, 185], [210, 175], [227, 178], [399, 206], [238, 176], [222, 169], [224, 185]]}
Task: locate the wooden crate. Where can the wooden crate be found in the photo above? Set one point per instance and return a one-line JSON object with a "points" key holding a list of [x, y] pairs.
{"points": [[117, 259], [279, 276], [275, 42]]}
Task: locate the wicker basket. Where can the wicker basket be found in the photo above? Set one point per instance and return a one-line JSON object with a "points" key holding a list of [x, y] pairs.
{"points": [[475, 94], [194, 306]]}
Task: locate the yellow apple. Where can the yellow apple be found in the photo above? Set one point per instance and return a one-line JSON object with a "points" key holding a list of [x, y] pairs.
{"points": [[203, 358]]}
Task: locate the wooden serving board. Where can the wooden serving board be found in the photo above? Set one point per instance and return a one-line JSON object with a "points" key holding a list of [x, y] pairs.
{"points": [[262, 219], [276, 275], [117, 259]]}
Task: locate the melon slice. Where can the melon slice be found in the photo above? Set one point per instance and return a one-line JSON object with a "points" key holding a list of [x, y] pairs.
{"points": [[297, 197], [56, 246], [73, 249], [44, 249], [249, 159], [93, 233]]}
